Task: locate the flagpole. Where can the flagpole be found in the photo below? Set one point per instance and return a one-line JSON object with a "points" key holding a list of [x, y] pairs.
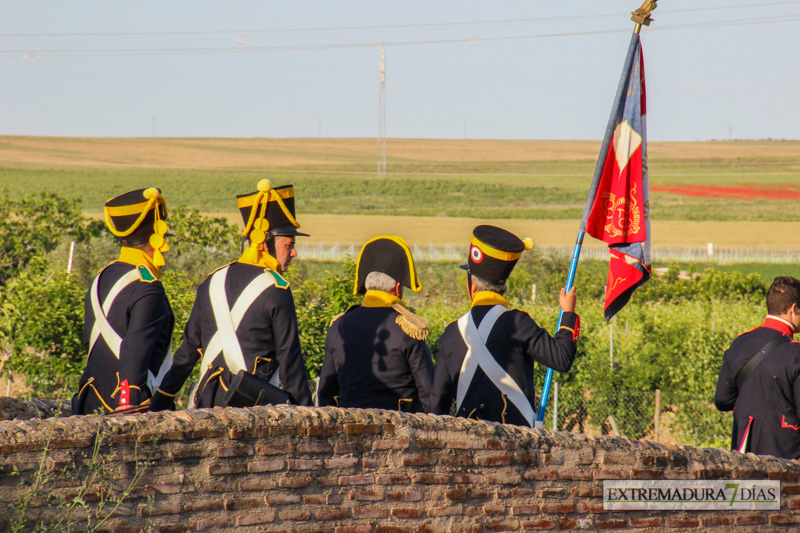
{"points": [[640, 16]]}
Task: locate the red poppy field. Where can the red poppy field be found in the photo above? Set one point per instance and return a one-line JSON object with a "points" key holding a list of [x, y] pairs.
{"points": [[734, 192]]}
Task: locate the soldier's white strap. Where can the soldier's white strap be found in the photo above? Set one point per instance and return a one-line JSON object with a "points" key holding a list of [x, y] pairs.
{"points": [[225, 340], [479, 355], [153, 382], [101, 325]]}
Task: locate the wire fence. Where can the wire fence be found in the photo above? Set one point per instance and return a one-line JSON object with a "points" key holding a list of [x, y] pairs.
{"points": [[647, 415], [322, 251]]}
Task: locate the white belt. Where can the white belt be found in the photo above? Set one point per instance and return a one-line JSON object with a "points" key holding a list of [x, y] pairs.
{"points": [[225, 340], [478, 355]]}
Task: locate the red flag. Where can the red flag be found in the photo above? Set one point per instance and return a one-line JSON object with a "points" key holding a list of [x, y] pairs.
{"points": [[620, 213]]}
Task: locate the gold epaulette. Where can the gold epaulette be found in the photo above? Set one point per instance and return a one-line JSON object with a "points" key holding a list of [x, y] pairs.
{"points": [[412, 325], [334, 319]]}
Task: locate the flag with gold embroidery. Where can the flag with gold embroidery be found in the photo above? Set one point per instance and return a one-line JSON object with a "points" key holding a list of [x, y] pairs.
{"points": [[620, 214]]}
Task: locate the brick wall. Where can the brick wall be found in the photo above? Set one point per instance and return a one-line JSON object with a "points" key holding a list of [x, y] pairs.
{"points": [[348, 471]]}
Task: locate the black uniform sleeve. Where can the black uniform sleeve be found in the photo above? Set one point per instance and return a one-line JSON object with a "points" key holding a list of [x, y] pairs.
{"points": [[329, 375], [183, 361], [556, 352], [727, 392], [287, 346], [148, 316], [421, 364], [445, 380]]}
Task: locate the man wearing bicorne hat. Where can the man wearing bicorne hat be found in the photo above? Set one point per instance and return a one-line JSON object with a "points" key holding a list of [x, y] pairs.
{"points": [[243, 326], [486, 357], [375, 353], [128, 327]]}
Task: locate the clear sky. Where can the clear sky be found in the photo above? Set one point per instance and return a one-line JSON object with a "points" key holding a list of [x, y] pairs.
{"points": [[455, 68]]}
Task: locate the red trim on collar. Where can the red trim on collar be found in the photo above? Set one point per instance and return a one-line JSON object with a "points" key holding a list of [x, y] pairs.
{"points": [[778, 325]]}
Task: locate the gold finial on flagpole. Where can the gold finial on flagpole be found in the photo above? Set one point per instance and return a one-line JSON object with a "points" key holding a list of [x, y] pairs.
{"points": [[642, 15]]}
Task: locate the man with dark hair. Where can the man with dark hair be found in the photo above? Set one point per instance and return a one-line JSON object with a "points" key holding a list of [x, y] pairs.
{"points": [[486, 357], [243, 324], [760, 378], [128, 328], [375, 353]]}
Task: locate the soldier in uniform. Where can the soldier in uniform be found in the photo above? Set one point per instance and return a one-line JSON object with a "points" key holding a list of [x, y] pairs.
{"points": [[375, 353], [760, 378], [128, 327], [243, 326], [486, 357]]}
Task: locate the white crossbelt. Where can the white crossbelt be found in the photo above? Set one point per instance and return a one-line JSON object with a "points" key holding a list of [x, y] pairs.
{"points": [[478, 355], [225, 340], [110, 336]]}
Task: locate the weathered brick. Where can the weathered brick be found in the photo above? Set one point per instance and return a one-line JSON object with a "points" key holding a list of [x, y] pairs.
{"points": [[785, 475], [715, 520], [278, 431], [449, 510], [295, 482], [431, 443], [789, 490], [370, 513], [610, 523], [413, 496], [314, 499], [235, 451], [456, 494], [232, 504], [466, 478], [253, 519], [494, 509], [365, 528], [793, 503], [418, 459], [638, 473], [681, 522], [558, 508], [313, 447], [391, 529], [295, 515], [360, 479], [650, 521], [202, 505], [479, 494], [173, 488], [305, 464], [509, 524], [340, 462], [368, 495], [784, 519], [504, 478], [333, 514], [577, 475], [492, 459], [186, 451], [589, 507], [276, 448], [362, 429], [457, 444], [514, 492], [451, 459], [324, 431], [212, 523], [553, 492], [540, 475], [390, 444], [160, 508], [221, 469], [342, 448], [524, 509], [257, 467], [540, 523], [328, 481], [749, 520], [282, 498], [392, 479], [372, 462], [610, 474], [404, 512]]}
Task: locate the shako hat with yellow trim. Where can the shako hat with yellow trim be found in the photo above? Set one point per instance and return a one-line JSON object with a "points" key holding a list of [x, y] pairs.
{"points": [[494, 252], [390, 255], [269, 210], [137, 216]]}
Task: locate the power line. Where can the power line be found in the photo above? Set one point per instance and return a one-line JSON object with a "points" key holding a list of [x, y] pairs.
{"points": [[334, 46], [395, 26]]}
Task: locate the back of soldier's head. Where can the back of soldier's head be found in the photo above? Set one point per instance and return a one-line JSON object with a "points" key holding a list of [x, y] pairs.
{"points": [[784, 291]]}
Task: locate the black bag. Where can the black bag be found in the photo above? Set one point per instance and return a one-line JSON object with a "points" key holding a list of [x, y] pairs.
{"points": [[247, 390]]}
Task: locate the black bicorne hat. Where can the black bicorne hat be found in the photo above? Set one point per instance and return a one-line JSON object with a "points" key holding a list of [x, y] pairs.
{"points": [[269, 210], [138, 215], [494, 252], [390, 255]]}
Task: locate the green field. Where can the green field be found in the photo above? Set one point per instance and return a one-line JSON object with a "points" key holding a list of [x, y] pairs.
{"points": [[474, 179]]}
